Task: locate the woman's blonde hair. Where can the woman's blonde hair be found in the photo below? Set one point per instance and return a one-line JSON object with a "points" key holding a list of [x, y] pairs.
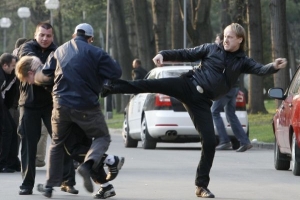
{"points": [[26, 64]]}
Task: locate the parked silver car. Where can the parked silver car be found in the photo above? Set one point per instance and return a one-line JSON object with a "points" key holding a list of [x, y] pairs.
{"points": [[153, 117]]}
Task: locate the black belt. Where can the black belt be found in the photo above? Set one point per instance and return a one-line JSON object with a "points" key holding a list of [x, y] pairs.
{"points": [[198, 87]]}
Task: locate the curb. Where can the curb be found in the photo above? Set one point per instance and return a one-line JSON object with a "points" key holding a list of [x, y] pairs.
{"points": [[262, 145]]}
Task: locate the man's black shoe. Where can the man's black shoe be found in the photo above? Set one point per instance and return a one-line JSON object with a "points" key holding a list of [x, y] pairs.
{"points": [[46, 191], [244, 148], [204, 192], [7, 170], [85, 173], [25, 192], [113, 169], [69, 189]]}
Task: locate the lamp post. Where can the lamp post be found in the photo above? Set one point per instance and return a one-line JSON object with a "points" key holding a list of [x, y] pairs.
{"points": [[51, 5], [4, 23], [24, 13]]}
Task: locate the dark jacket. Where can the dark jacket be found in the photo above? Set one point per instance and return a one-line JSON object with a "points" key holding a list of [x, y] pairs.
{"points": [[80, 69], [32, 95], [219, 69], [138, 73]]}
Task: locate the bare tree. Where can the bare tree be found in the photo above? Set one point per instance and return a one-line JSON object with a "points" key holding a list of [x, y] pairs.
{"points": [[160, 16], [279, 40], [122, 52], [198, 21], [176, 26], [143, 24], [256, 100]]}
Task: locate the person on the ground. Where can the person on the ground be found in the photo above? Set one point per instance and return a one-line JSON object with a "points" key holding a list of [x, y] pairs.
{"points": [[9, 161], [228, 104], [138, 72], [79, 69], [220, 68], [35, 106]]}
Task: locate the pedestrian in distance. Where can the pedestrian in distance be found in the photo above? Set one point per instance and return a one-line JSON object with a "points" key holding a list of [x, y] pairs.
{"points": [[79, 70], [35, 104], [220, 68], [138, 72], [228, 103]]}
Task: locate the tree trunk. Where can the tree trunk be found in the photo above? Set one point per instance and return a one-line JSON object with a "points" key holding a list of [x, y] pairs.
{"points": [[124, 56], [176, 26], [225, 17], [143, 24], [256, 100], [160, 18], [279, 40]]}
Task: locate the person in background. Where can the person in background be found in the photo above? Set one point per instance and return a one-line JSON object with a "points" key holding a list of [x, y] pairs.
{"points": [[9, 161], [80, 69], [35, 106], [220, 68], [228, 103], [138, 72]]}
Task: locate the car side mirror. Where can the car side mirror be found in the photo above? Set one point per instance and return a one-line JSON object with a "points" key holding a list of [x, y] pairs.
{"points": [[276, 93]]}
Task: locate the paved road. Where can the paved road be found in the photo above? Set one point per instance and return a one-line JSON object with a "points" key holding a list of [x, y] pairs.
{"points": [[167, 173]]}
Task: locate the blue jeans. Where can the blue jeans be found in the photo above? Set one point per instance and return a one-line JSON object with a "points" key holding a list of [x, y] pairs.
{"points": [[228, 102]]}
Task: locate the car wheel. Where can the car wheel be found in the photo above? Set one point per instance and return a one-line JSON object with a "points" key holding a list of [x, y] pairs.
{"points": [[128, 141], [294, 163], [281, 161], [147, 141]]}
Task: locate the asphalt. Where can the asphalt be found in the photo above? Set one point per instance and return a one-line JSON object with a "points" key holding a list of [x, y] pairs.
{"points": [[10, 182]]}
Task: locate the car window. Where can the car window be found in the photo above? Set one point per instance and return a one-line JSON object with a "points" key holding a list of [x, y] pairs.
{"points": [[295, 85], [173, 73]]}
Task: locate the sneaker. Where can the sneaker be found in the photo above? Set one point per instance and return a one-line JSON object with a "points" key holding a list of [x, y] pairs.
{"points": [[85, 173], [204, 192], [69, 189], [46, 191], [113, 169], [224, 146], [105, 192], [244, 148]]}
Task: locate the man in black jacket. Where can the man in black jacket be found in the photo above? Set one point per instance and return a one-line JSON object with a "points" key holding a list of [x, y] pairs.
{"points": [[220, 68], [9, 161], [138, 72], [36, 106]]}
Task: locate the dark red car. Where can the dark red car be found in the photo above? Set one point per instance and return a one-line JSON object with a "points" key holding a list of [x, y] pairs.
{"points": [[286, 126]]}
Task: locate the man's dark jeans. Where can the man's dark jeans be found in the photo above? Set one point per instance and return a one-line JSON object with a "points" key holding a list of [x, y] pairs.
{"points": [[197, 105]]}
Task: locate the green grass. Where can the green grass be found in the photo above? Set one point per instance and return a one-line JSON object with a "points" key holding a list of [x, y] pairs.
{"points": [[116, 122], [260, 125]]}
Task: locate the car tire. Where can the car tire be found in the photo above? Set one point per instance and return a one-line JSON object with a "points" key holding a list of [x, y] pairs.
{"points": [[147, 140], [295, 157], [281, 161], [128, 141]]}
